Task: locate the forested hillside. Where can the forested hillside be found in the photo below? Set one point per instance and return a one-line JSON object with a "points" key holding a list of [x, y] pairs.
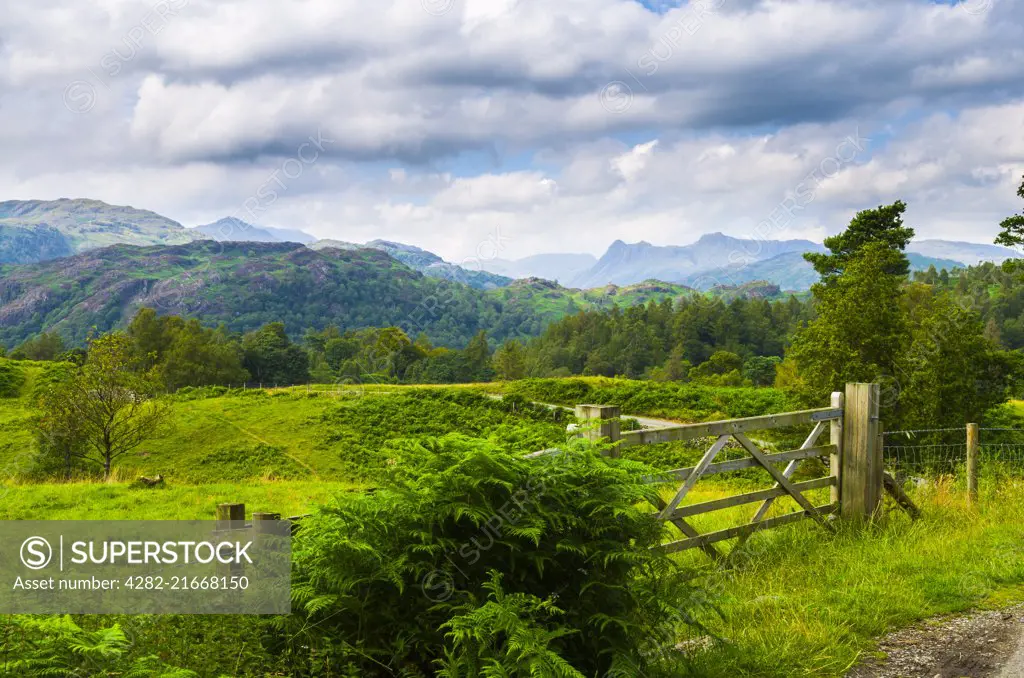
{"points": [[663, 340], [247, 285], [994, 292], [244, 286]]}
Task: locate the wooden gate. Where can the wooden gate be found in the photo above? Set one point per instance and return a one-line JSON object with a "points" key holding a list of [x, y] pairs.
{"points": [[855, 473]]}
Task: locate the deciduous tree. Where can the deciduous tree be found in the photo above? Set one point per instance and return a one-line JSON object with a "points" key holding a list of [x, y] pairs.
{"points": [[107, 408]]}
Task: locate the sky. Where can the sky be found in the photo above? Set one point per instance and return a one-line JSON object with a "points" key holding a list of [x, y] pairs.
{"points": [[504, 128]]}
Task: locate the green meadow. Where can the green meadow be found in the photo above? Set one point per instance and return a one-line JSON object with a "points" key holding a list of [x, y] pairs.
{"points": [[794, 601]]}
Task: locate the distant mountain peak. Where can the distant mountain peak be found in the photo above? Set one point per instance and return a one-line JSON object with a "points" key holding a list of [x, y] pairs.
{"points": [[717, 236], [231, 220], [97, 209], [227, 229], [233, 229]]}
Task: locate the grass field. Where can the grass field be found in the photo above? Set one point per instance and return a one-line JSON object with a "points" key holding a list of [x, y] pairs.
{"points": [[291, 433], [801, 601]]}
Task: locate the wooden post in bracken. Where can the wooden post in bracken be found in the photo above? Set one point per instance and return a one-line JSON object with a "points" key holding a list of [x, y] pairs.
{"points": [[861, 462], [600, 421], [973, 439], [261, 522], [836, 438], [230, 516]]}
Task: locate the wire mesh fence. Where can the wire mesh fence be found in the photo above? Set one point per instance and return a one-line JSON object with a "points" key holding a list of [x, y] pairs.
{"points": [[929, 452]]}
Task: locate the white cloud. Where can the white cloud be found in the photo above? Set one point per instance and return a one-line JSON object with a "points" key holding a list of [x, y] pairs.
{"points": [[512, 191], [716, 119]]}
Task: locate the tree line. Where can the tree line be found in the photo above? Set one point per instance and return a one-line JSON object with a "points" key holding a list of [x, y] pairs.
{"points": [[697, 338]]}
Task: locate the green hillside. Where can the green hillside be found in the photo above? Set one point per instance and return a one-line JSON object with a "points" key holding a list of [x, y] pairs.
{"points": [[427, 263], [37, 230], [549, 301], [246, 285], [242, 436], [342, 434]]}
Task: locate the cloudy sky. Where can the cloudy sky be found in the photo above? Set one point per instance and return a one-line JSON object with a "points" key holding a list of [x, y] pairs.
{"points": [[512, 127]]}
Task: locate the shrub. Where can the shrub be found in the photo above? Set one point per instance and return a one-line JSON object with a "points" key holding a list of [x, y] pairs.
{"points": [[11, 379], [470, 561], [56, 646]]}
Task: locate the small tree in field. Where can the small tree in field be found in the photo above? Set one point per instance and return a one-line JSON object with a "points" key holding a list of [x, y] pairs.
{"points": [[105, 409]]}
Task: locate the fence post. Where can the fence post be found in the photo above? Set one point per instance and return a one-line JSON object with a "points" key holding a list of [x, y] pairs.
{"points": [[601, 421], [230, 515], [260, 520], [836, 438], [861, 464], [973, 439]]}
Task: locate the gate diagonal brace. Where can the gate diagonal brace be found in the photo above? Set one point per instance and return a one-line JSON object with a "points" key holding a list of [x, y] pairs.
{"points": [[689, 531], [791, 468], [782, 481]]}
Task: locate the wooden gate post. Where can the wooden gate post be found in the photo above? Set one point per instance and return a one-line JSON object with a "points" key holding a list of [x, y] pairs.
{"points": [[861, 463], [600, 421], [972, 462], [836, 438]]}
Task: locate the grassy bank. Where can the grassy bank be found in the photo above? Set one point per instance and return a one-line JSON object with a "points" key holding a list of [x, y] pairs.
{"points": [[293, 434], [804, 602]]}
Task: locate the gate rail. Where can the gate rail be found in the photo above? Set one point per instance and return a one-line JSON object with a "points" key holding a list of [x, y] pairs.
{"points": [[856, 475]]}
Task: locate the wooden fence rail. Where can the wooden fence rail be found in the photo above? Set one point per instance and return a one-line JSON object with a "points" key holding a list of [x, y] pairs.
{"points": [[856, 478], [684, 432]]}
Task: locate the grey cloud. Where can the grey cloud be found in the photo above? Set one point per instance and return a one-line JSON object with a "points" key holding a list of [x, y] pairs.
{"points": [[209, 107]]}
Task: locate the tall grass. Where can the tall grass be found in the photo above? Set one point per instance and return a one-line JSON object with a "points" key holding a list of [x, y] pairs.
{"points": [[804, 602]]}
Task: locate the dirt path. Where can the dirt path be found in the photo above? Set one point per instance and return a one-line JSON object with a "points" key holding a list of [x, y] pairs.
{"points": [[980, 645]]}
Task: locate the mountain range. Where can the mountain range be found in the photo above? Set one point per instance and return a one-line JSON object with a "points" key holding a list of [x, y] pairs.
{"points": [[720, 260], [36, 231], [245, 285]]}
